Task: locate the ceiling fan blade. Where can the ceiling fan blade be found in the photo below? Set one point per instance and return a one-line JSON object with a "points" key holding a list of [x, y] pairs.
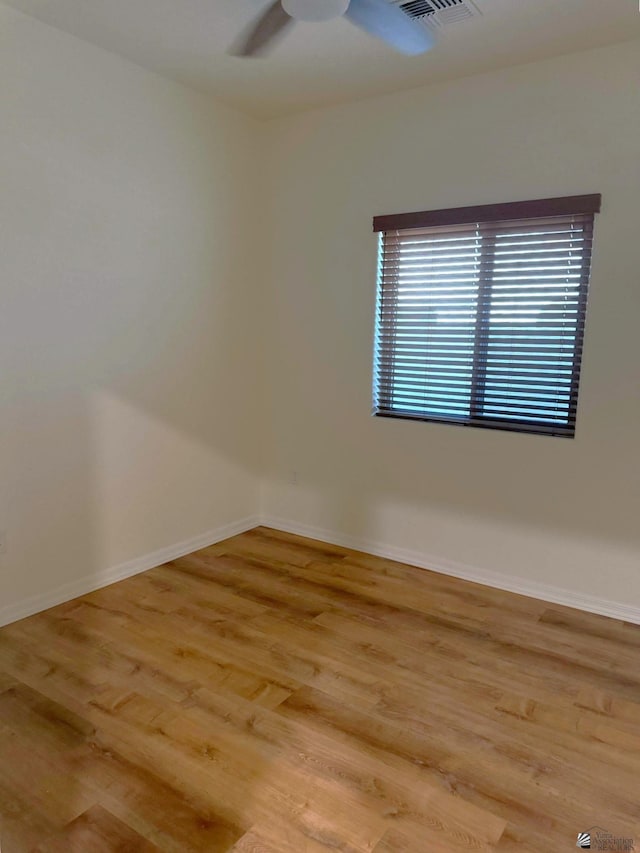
{"points": [[264, 33], [389, 23]]}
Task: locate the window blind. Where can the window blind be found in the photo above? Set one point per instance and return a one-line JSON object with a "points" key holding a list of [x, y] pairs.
{"points": [[481, 322]]}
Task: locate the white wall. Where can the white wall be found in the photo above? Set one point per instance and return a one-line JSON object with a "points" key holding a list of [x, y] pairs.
{"points": [[538, 509], [128, 321], [135, 411]]}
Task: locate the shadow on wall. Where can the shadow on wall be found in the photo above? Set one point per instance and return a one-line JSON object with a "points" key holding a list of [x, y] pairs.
{"points": [[489, 499], [102, 481], [129, 379]]}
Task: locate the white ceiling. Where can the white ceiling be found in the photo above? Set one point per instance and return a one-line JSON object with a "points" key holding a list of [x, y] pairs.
{"points": [[331, 62]]}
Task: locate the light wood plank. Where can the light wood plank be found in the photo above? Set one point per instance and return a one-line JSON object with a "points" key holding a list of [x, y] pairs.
{"points": [[273, 694], [98, 831]]}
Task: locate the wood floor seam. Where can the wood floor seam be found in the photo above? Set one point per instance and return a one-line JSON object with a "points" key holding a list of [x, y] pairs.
{"points": [[274, 694]]}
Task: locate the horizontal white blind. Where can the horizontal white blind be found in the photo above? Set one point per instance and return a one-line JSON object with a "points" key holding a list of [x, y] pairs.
{"points": [[482, 324]]}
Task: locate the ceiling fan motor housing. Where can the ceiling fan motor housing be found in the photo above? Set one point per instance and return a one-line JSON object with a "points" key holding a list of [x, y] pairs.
{"points": [[315, 10]]}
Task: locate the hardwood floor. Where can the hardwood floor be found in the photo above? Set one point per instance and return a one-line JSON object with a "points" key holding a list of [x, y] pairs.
{"points": [[273, 694]]}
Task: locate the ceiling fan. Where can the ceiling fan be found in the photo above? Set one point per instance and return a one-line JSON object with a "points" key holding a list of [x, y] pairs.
{"points": [[377, 17]]}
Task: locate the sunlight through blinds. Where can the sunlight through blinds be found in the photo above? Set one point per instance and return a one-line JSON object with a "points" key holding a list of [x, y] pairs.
{"points": [[482, 323]]}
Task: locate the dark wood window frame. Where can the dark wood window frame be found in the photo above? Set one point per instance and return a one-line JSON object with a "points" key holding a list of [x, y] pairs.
{"points": [[408, 340]]}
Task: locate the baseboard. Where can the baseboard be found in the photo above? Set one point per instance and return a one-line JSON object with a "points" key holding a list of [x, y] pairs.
{"points": [[69, 591], [521, 586]]}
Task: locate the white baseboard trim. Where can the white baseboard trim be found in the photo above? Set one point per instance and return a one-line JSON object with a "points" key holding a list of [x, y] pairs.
{"points": [[521, 586], [69, 591]]}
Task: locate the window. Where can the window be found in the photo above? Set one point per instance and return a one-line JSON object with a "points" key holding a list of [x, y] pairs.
{"points": [[481, 313]]}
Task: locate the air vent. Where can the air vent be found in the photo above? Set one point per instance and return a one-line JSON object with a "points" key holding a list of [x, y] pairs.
{"points": [[438, 13], [418, 8]]}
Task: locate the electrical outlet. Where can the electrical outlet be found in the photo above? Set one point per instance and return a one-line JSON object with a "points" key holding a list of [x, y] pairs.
{"points": [[3, 542], [294, 478]]}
